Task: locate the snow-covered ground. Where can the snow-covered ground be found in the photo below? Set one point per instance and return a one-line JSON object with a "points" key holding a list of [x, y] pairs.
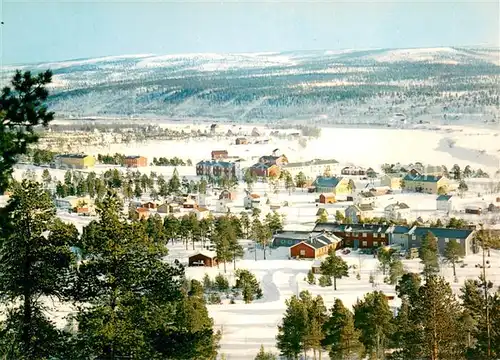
{"points": [[246, 326]]}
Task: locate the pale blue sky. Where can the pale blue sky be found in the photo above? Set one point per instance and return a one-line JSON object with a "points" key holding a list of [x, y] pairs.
{"points": [[37, 31]]}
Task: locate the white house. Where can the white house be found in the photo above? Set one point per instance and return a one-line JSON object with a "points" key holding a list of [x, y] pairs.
{"points": [[444, 203], [313, 168], [397, 211], [365, 198], [251, 201], [222, 206]]}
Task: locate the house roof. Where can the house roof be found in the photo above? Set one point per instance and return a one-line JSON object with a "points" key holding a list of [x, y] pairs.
{"points": [[396, 206], [326, 182], [206, 253], [444, 197], [73, 156], [366, 195], [311, 162], [293, 235], [422, 178], [421, 231], [132, 157], [328, 195], [254, 196], [336, 227], [219, 151], [361, 207], [142, 210]]}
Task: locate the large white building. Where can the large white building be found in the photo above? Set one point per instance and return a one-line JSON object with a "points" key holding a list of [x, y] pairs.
{"points": [[313, 168]]}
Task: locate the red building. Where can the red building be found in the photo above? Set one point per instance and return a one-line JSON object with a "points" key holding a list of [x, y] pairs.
{"points": [[314, 247], [219, 154], [327, 198], [357, 235], [136, 161]]}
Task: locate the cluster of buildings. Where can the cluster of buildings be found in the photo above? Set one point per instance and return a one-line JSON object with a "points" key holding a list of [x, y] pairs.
{"points": [[85, 161], [367, 236]]}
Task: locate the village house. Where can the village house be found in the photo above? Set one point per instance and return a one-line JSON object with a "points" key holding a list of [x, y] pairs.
{"points": [[149, 205], [142, 213], [219, 154], [464, 237], [444, 203], [135, 161], [241, 141], [218, 169], [429, 170], [473, 209], [334, 185], [201, 213], [493, 208], [222, 206], [327, 198], [365, 198], [357, 235], [74, 161], [189, 203], [353, 170], [313, 168], [73, 203], [380, 190], [255, 132], [358, 213], [203, 258], [227, 195], [265, 170], [429, 184], [397, 212], [289, 238], [251, 201], [315, 246], [393, 181]]}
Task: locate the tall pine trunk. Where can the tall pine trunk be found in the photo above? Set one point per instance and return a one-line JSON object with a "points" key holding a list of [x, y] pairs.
{"points": [[335, 283]]}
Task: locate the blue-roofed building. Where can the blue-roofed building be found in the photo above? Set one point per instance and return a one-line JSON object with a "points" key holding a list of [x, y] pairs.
{"points": [[444, 235], [218, 169], [429, 184], [444, 203], [335, 185]]}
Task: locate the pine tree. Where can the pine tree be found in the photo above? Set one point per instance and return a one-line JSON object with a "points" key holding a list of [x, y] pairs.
{"points": [[300, 180], [292, 329], [453, 253], [248, 284], [439, 313], [408, 287], [133, 303], [335, 267], [385, 258], [341, 337], [263, 355], [373, 317], [322, 217], [245, 223], [396, 271], [37, 263], [429, 254], [174, 184], [407, 336], [223, 237], [22, 108]]}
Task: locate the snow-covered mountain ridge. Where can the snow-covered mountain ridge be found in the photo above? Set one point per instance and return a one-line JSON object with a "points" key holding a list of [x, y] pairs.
{"points": [[274, 86]]}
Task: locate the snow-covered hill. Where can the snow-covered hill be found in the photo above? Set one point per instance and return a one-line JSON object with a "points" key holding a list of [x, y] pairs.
{"points": [[348, 84]]}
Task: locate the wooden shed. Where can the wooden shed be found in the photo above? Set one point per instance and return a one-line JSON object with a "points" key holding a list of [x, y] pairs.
{"points": [[327, 198], [203, 258]]}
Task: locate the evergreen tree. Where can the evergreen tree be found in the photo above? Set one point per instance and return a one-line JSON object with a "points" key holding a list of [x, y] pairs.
{"points": [[36, 264], [263, 355], [467, 173], [385, 257], [339, 216], [322, 217], [300, 180], [249, 178], [248, 284], [334, 267], [439, 313], [453, 253], [462, 187], [46, 178], [134, 306], [396, 271], [174, 184], [456, 172], [171, 225], [373, 317], [408, 286], [429, 254], [22, 108], [223, 237], [292, 329], [341, 337], [245, 223], [407, 336]]}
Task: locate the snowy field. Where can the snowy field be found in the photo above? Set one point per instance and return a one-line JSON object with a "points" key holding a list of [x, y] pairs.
{"points": [[246, 326], [478, 147]]}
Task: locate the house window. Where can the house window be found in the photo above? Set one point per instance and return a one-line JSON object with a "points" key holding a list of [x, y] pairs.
{"points": [[414, 237], [302, 253], [382, 235], [375, 235], [290, 242], [365, 243], [365, 234], [446, 240], [375, 243]]}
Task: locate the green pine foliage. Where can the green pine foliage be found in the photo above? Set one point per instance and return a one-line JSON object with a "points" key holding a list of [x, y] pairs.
{"points": [[263, 355], [334, 267], [429, 255], [248, 285], [453, 253], [37, 263]]}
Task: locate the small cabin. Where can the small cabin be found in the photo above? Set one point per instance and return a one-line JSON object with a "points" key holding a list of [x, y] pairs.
{"points": [[203, 258]]}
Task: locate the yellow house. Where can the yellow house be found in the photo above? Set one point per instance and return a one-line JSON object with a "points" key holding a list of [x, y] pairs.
{"points": [[334, 185], [429, 184], [75, 161], [392, 181]]}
